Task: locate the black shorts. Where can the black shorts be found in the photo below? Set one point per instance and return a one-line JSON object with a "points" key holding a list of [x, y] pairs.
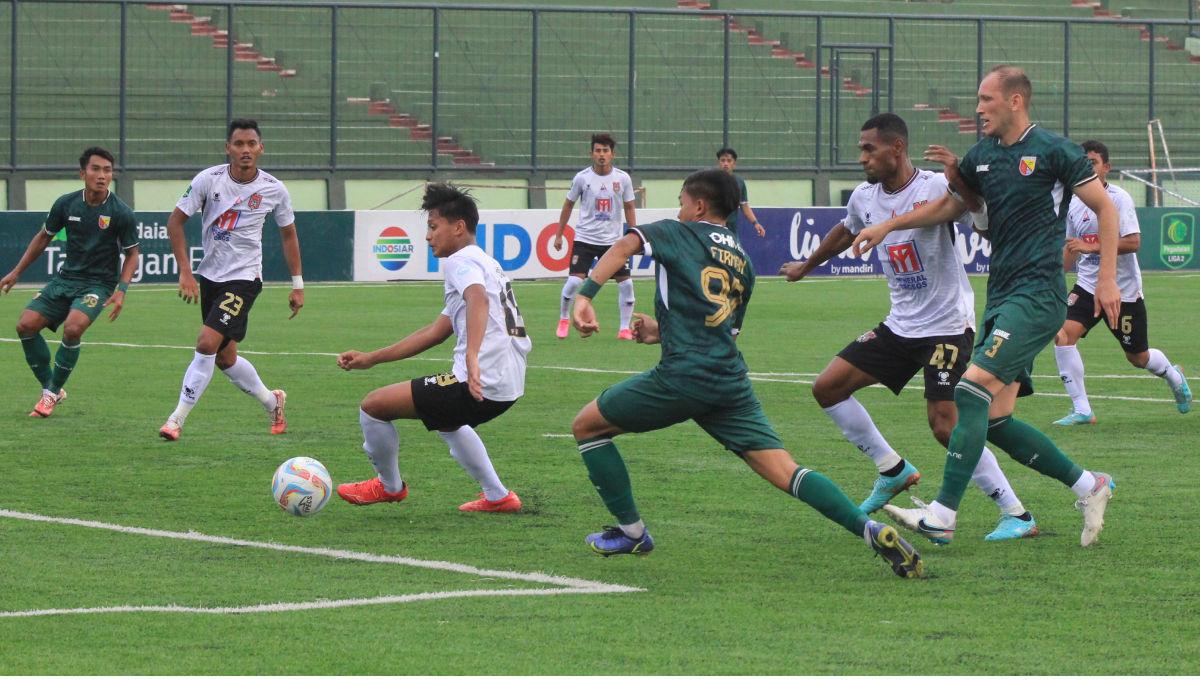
{"points": [[446, 404], [225, 306], [584, 255], [894, 360], [1131, 329]]}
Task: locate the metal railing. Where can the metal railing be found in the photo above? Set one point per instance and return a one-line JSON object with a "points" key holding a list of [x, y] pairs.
{"points": [[520, 88]]}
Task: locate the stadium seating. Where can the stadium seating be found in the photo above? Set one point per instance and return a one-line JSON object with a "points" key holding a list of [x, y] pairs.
{"points": [[176, 97]]}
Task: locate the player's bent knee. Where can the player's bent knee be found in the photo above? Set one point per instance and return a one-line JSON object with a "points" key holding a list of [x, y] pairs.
{"points": [[1138, 360]]}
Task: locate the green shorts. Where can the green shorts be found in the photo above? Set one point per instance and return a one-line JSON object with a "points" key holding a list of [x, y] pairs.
{"points": [[644, 402], [58, 297], [1014, 331]]}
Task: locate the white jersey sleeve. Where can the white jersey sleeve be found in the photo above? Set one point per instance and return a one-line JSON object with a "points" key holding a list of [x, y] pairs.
{"points": [[576, 189], [853, 220], [193, 197], [284, 215], [627, 194]]}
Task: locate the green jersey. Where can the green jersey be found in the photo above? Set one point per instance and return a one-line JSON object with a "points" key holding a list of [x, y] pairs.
{"points": [[704, 280], [733, 218], [95, 236], [1027, 187]]}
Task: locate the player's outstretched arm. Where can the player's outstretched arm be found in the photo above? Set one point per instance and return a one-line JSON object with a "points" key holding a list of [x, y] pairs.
{"points": [[188, 290], [1108, 294], [941, 211], [563, 216], [477, 317], [37, 246], [117, 299], [413, 344], [837, 240], [584, 316], [291, 255]]}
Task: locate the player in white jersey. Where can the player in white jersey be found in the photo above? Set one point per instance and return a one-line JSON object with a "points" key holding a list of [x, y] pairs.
{"points": [[489, 364], [1083, 250], [234, 201], [599, 189], [930, 326]]}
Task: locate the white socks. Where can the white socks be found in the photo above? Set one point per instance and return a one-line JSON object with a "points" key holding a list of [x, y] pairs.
{"points": [[635, 530], [195, 379], [468, 450], [1160, 365], [571, 285], [1070, 369], [991, 481], [382, 444], [625, 301], [856, 424], [1084, 485], [947, 518], [242, 374]]}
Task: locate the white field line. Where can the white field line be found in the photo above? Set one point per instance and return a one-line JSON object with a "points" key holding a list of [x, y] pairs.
{"points": [[760, 377], [566, 585]]}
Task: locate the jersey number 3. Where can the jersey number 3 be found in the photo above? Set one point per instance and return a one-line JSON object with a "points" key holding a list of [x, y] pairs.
{"points": [[727, 296]]}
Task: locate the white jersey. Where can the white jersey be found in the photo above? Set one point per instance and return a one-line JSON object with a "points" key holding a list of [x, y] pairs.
{"points": [[232, 220], [505, 344], [929, 288], [1082, 224], [601, 200]]}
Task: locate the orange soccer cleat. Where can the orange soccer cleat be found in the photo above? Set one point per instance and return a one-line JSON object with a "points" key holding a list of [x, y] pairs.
{"points": [[510, 503]]}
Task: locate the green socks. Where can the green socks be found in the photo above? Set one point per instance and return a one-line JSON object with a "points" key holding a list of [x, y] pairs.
{"points": [[37, 355], [64, 363], [826, 498], [607, 471], [1029, 447], [966, 441]]}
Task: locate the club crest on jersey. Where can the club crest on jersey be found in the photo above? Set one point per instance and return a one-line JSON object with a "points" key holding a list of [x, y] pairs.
{"points": [[105, 220], [918, 204], [616, 187], [254, 202], [1027, 165]]}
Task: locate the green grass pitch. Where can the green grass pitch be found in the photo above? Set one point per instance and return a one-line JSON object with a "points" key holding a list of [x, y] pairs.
{"points": [[744, 579]]}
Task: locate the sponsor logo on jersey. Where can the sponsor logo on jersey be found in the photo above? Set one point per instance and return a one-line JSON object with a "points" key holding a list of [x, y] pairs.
{"points": [[1178, 239], [603, 205], [393, 248], [73, 218], [981, 168], [217, 196], [918, 204], [254, 202], [904, 258], [105, 220], [1090, 238], [1027, 165]]}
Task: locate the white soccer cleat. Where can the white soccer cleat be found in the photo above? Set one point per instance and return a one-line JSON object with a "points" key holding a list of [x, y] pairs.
{"points": [[1093, 506], [922, 520]]}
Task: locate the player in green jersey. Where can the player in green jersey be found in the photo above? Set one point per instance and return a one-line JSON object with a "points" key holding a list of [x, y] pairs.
{"points": [[1024, 177], [727, 160], [99, 229], [704, 283]]}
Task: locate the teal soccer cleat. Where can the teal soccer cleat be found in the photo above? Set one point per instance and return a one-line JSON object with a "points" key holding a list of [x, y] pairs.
{"points": [[1077, 418], [1011, 527], [886, 488], [1183, 393]]}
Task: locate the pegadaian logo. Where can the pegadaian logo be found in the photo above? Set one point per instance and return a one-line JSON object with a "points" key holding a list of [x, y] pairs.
{"points": [[393, 248], [1178, 239]]}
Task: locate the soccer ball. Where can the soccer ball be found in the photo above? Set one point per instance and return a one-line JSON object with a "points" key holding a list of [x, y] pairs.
{"points": [[301, 486]]}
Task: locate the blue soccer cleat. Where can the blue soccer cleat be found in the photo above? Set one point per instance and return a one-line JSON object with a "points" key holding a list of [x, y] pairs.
{"points": [[1011, 527], [1077, 418], [887, 543], [886, 488], [613, 541], [1183, 393]]}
